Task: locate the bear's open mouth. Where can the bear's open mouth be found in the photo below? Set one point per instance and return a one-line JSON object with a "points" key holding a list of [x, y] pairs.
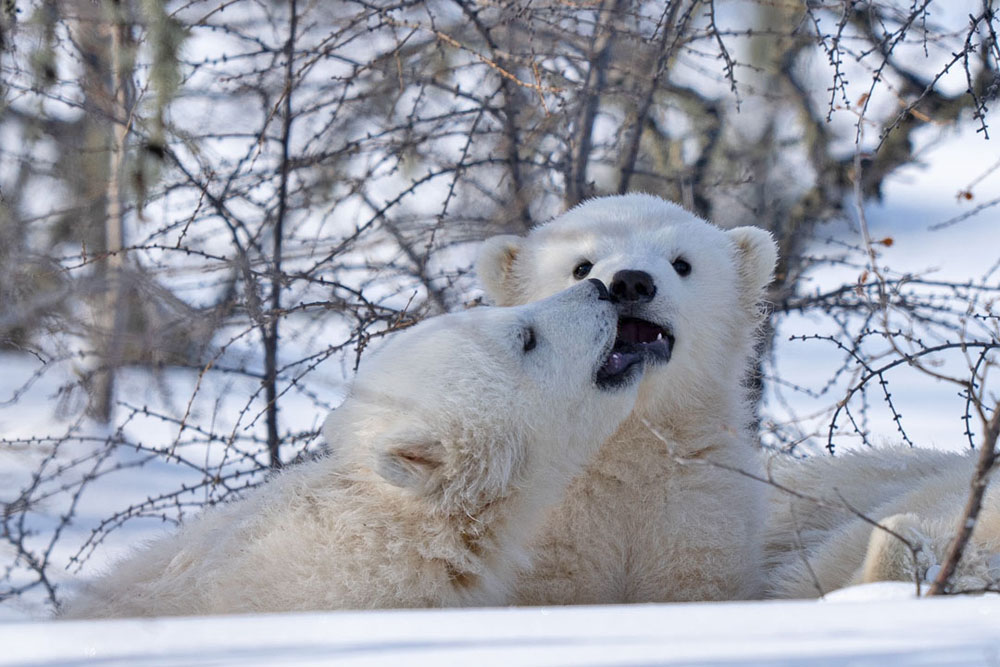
{"points": [[637, 341]]}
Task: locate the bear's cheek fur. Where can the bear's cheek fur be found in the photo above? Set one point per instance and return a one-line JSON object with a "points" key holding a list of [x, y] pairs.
{"points": [[708, 330], [533, 281]]}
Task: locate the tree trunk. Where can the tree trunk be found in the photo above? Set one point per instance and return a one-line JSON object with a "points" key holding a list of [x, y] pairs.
{"points": [[111, 316]]}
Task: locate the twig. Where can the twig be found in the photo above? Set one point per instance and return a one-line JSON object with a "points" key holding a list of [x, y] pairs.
{"points": [[270, 333], [970, 514]]}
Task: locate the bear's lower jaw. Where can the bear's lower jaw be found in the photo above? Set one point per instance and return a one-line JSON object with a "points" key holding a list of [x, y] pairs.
{"points": [[618, 369], [626, 360]]}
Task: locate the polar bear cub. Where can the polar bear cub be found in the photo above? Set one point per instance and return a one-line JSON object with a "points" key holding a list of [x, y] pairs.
{"points": [[918, 494], [456, 437], [663, 512]]}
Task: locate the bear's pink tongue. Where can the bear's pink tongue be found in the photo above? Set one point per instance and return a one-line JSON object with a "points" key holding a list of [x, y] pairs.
{"points": [[638, 331], [619, 361], [616, 363]]}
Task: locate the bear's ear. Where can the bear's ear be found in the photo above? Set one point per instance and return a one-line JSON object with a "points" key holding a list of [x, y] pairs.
{"points": [[409, 460], [757, 255], [494, 268]]}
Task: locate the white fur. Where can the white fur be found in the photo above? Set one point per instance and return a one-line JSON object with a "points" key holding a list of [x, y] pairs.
{"points": [[916, 493], [639, 525], [453, 442]]}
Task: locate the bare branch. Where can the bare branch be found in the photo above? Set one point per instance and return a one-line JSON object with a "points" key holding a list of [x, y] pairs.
{"points": [[985, 464]]}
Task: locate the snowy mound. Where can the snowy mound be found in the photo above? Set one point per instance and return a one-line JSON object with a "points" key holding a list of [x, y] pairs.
{"points": [[954, 631]]}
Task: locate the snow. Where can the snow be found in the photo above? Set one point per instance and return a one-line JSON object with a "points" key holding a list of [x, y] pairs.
{"points": [[952, 631], [880, 590]]}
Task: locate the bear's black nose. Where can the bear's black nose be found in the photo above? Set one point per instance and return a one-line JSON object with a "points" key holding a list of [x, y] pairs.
{"points": [[602, 291], [629, 285]]}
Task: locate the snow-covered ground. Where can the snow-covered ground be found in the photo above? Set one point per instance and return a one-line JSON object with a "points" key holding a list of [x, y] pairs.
{"points": [[864, 626]]}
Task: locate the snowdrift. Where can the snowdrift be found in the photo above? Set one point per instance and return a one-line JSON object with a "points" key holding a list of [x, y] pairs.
{"points": [[859, 626]]}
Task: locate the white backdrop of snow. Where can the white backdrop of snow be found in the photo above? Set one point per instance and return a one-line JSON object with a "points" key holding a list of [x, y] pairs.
{"points": [[867, 626]]}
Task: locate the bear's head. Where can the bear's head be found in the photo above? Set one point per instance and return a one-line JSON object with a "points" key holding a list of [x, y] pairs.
{"points": [[468, 408], [688, 293]]}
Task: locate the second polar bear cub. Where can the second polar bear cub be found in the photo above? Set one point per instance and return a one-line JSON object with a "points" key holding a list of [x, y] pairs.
{"points": [[918, 494], [660, 514], [457, 435]]}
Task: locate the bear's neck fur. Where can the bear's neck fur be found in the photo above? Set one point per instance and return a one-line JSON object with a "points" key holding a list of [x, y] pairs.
{"points": [[711, 423], [467, 553]]}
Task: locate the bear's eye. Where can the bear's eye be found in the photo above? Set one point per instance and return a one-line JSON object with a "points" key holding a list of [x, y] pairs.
{"points": [[682, 267], [582, 269], [528, 336]]}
